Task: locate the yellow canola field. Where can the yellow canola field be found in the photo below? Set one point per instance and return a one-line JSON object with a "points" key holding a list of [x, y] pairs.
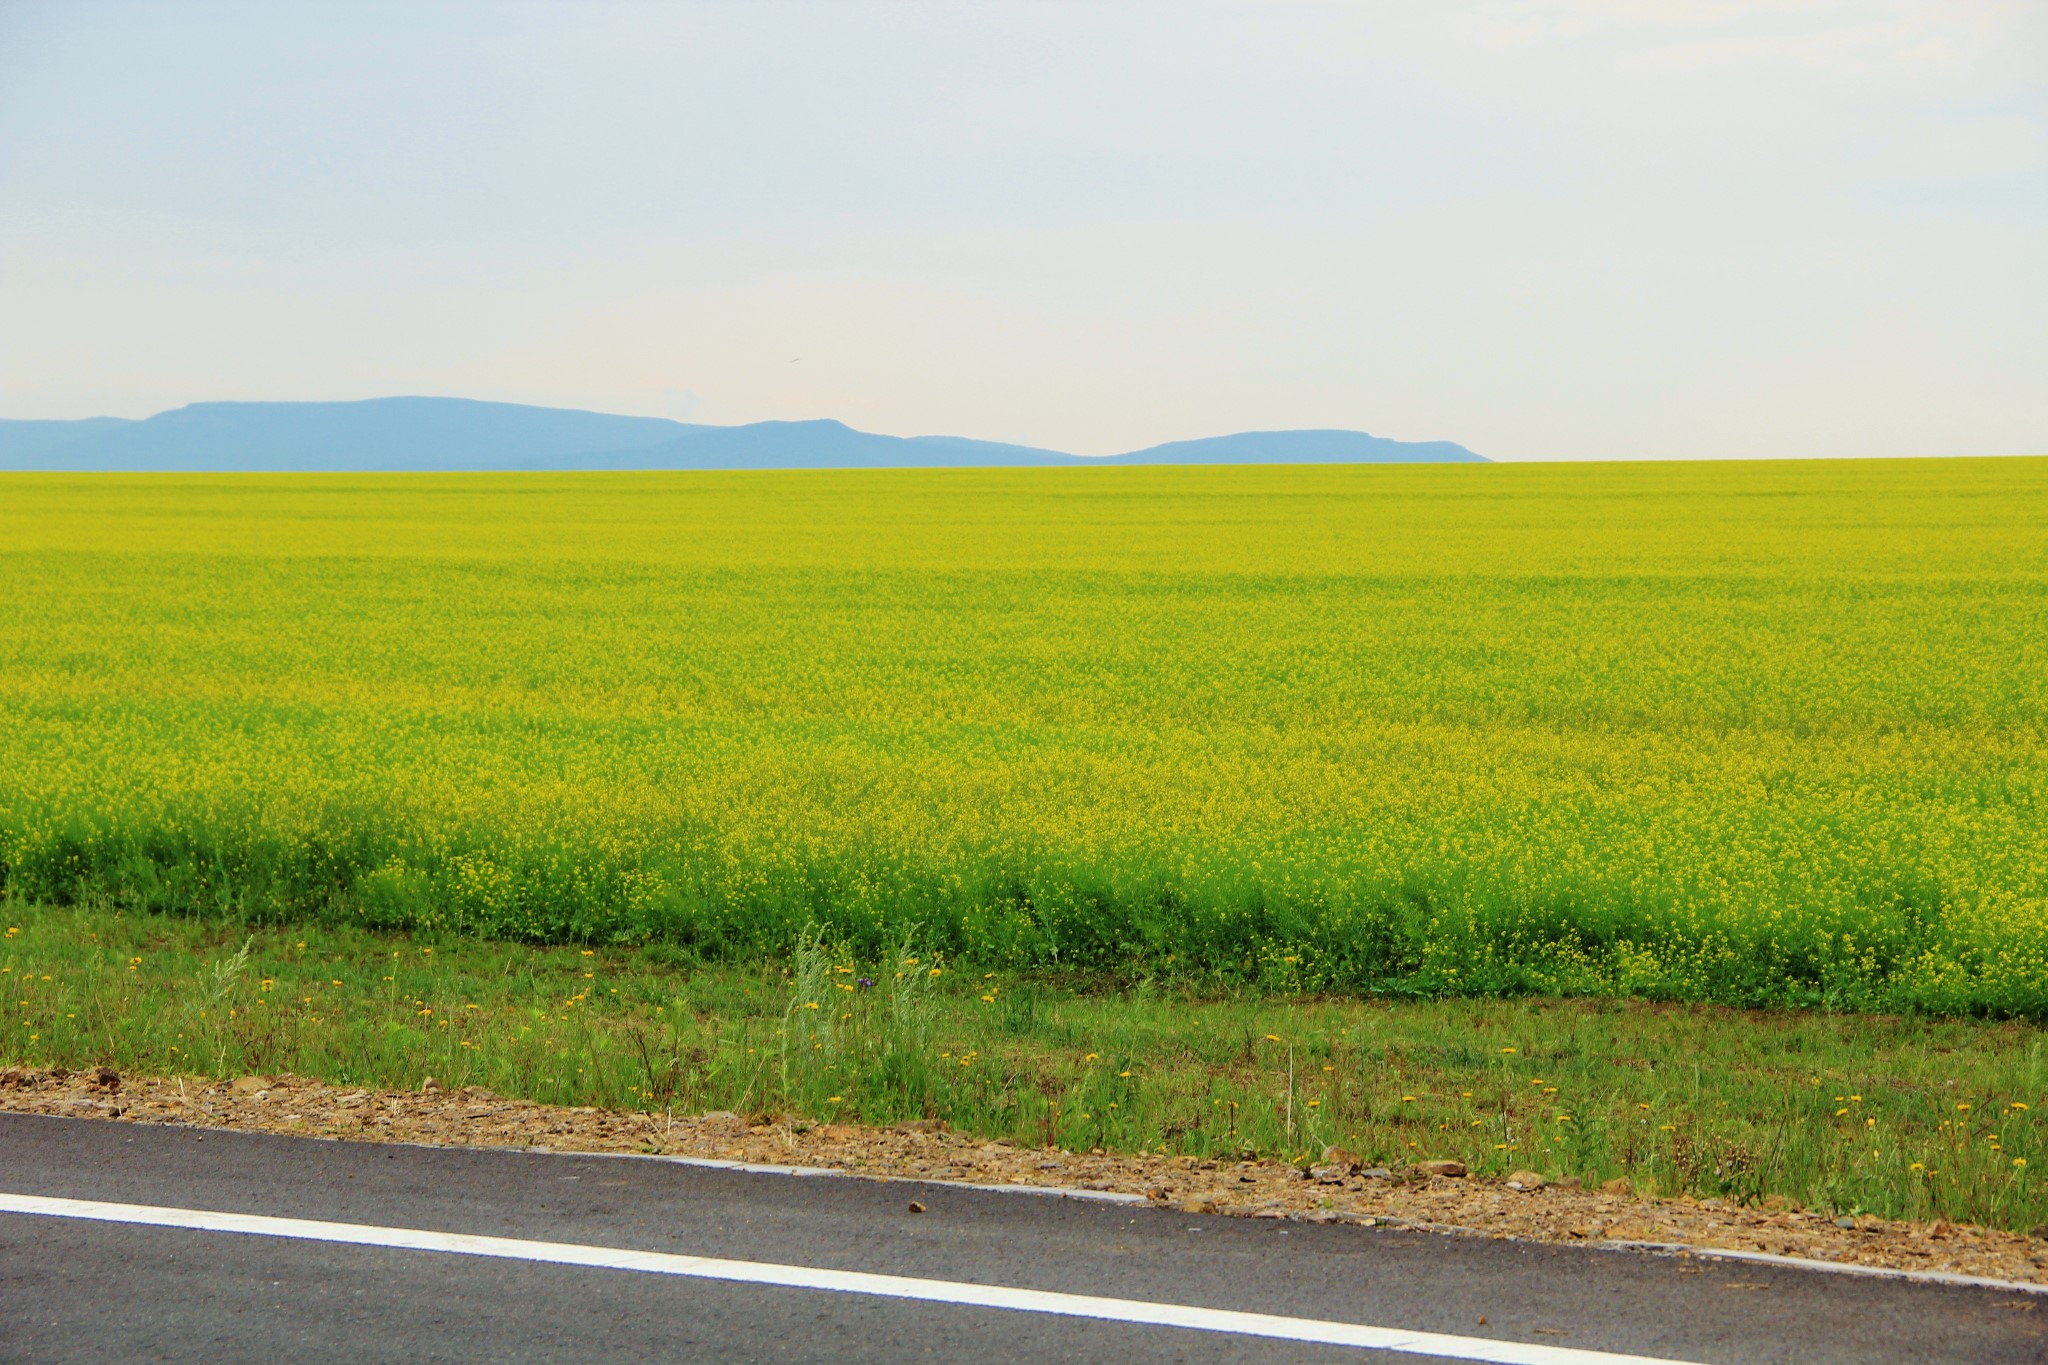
{"points": [[1750, 732]]}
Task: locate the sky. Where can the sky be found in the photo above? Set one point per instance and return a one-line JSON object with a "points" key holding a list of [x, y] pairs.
{"points": [[1583, 229]]}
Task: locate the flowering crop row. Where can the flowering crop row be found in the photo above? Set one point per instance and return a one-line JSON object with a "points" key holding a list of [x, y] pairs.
{"points": [[1747, 733]]}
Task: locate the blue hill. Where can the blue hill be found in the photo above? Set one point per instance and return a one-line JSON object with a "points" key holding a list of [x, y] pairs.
{"points": [[426, 434], [380, 433], [824, 444], [23, 444], [1299, 447]]}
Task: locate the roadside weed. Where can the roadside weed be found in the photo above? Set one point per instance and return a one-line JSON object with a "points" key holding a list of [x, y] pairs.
{"points": [[1899, 1116]]}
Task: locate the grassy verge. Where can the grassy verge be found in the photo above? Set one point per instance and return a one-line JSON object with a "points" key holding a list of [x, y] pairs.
{"points": [[1899, 1117]]}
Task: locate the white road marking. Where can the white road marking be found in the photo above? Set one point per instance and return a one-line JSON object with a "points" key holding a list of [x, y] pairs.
{"points": [[757, 1168], [1138, 1311], [1873, 1272]]}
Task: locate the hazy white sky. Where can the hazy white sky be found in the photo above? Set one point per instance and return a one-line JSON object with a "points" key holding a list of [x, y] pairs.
{"points": [[1606, 228]]}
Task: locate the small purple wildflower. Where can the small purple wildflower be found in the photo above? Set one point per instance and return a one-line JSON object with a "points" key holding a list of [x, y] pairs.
{"points": [[864, 983]]}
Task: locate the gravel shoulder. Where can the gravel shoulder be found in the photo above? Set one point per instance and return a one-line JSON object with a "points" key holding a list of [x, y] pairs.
{"points": [[1333, 1191]]}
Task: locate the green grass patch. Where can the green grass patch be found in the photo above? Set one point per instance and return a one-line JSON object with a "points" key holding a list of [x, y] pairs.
{"points": [[1903, 1117]]}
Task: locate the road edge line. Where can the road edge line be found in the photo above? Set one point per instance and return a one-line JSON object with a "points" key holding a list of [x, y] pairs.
{"points": [[1874, 1272]]}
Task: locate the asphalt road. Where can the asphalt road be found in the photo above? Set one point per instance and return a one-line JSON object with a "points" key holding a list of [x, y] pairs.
{"points": [[75, 1289]]}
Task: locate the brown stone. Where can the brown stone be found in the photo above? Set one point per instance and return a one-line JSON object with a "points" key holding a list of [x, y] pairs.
{"points": [[1455, 1170], [1527, 1180]]}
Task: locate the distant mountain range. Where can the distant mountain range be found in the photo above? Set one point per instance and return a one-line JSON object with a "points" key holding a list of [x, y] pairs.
{"points": [[459, 434]]}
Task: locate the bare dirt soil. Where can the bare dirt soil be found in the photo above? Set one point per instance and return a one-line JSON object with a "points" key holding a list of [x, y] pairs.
{"points": [[1337, 1190]]}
